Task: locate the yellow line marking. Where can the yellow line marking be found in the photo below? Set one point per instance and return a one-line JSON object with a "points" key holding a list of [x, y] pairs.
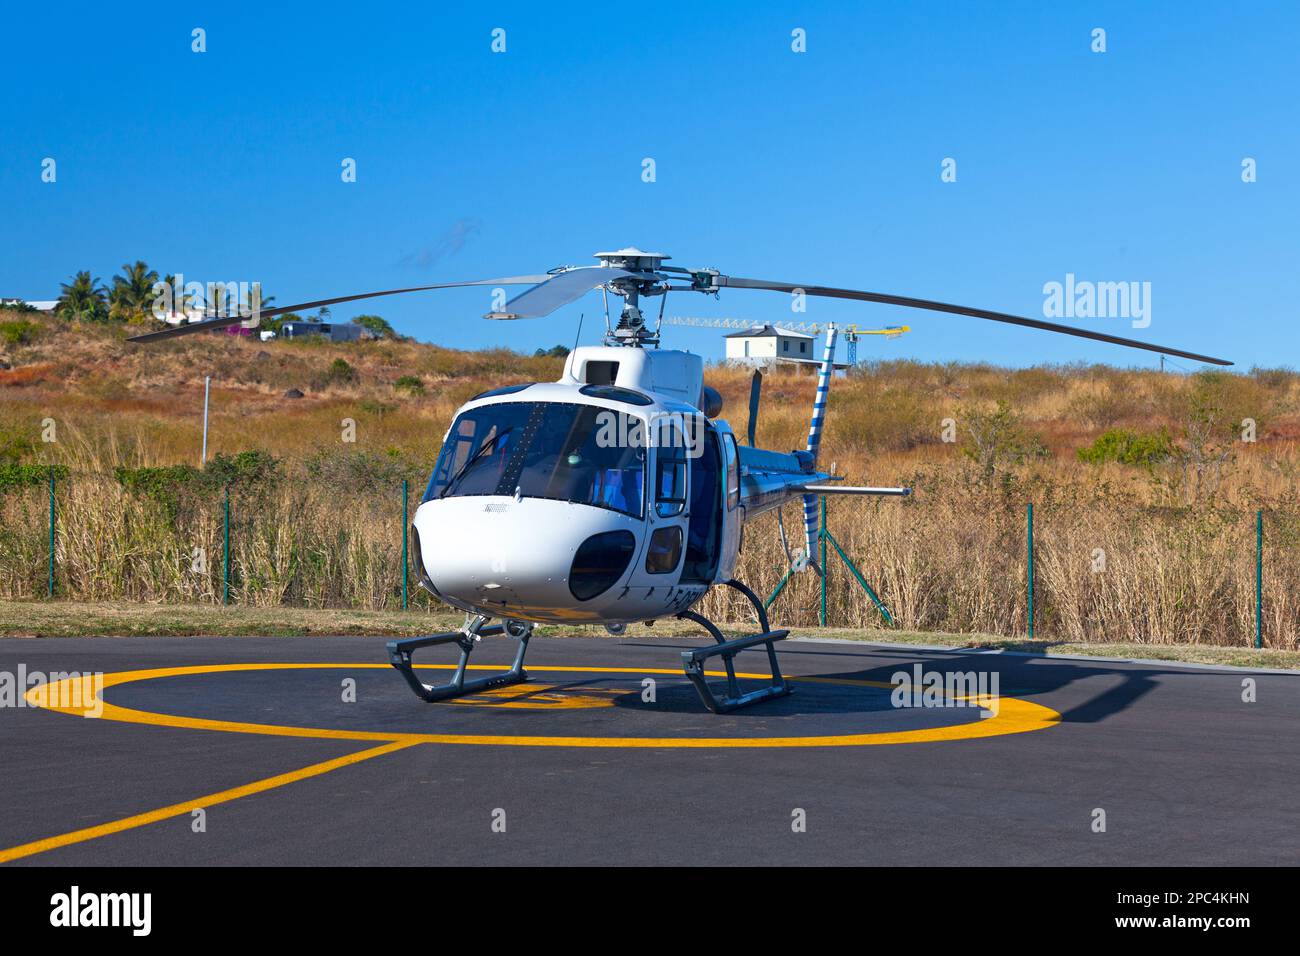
{"points": [[1014, 716], [212, 799]]}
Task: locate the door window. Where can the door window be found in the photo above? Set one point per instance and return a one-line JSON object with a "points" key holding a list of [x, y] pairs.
{"points": [[670, 471], [733, 470]]}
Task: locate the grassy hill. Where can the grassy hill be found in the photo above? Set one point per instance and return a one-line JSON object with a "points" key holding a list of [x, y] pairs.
{"points": [[1153, 469]]}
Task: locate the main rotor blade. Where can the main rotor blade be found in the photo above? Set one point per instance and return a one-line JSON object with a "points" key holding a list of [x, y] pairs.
{"points": [[911, 303], [226, 321], [187, 328], [556, 291]]}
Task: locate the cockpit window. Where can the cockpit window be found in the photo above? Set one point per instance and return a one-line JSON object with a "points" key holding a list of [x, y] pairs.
{"points": [[549, 450]]}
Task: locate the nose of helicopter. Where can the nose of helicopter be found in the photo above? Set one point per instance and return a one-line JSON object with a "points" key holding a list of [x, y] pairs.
{"points": [[527, 557]]}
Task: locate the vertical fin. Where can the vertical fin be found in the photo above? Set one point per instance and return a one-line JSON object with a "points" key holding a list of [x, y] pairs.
{"points": [[755, 392], [815, 439]]}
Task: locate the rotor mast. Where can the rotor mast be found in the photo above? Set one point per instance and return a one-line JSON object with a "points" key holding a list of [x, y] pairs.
{"points": [[647, 280]]}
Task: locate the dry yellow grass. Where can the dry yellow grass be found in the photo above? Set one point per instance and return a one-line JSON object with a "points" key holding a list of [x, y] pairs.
{"points": [[1177, 538]]}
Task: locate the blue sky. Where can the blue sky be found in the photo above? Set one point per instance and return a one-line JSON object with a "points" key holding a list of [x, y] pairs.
{"points": [[821, 167]]}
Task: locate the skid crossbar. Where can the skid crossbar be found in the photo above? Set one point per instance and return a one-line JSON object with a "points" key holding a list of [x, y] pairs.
{"points": [[693, 664], [399, 655], [693, 660]]}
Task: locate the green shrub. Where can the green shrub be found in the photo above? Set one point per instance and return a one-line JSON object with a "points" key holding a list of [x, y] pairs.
{"points": [[14, 445], [1130, 448], [356, 471], [409, 383], [341, 371], [246, 469], [998, 439], [15, 475], [18, 332], [174, 485], [166, 485]]}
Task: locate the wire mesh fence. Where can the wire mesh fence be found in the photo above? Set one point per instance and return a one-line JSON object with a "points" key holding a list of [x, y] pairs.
{"points": [[1101, 571], [287, 543]]}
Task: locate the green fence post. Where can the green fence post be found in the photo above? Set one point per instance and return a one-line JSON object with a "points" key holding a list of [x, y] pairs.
{"points": [[1259, 578], [225, 551], [1029, 539], [825, 570], [405, 565], [51, 531]]}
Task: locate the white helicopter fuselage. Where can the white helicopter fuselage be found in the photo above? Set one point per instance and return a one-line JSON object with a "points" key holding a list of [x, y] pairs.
{"points": [[607, 497]]}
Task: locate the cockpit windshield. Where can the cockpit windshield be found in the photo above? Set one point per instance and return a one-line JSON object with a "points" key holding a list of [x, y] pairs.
{"points": [[541, 450]]}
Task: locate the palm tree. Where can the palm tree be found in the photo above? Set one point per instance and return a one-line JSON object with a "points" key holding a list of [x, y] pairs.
{"points": [[132, 294], [83, 298], [276, 323], [263, 301], [182, 301], [252, 302], [175, 295]]}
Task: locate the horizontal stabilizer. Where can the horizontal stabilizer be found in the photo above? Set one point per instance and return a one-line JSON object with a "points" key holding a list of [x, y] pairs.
{"points": [[852, 490]]}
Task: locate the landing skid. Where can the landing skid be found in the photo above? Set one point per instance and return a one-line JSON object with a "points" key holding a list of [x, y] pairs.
{"points": [[476, 627], [399, 654], [693, 661]]}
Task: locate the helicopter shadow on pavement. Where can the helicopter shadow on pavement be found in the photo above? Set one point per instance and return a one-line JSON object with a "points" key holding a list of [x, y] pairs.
{"points": [[1029, 672], [807, 699], [821, 696]]}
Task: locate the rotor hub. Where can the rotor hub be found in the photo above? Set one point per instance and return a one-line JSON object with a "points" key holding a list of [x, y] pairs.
{"points": [[632, 259]]}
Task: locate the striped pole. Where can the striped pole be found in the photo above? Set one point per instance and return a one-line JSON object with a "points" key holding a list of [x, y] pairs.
{"points": [[815, 437]]}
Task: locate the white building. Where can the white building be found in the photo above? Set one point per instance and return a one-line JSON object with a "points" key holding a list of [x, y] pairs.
{"points": [[767, 345], [40, 305]]}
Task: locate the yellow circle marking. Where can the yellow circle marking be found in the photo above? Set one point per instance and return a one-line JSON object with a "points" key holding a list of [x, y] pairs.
{"points": [[530, 696], [1014, 716]]}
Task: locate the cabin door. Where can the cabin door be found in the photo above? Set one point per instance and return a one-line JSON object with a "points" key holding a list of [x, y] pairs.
{"points": [[704, 526]]}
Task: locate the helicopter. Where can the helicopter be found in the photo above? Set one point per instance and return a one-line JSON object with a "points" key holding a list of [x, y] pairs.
{"points": [[616, 494]]}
